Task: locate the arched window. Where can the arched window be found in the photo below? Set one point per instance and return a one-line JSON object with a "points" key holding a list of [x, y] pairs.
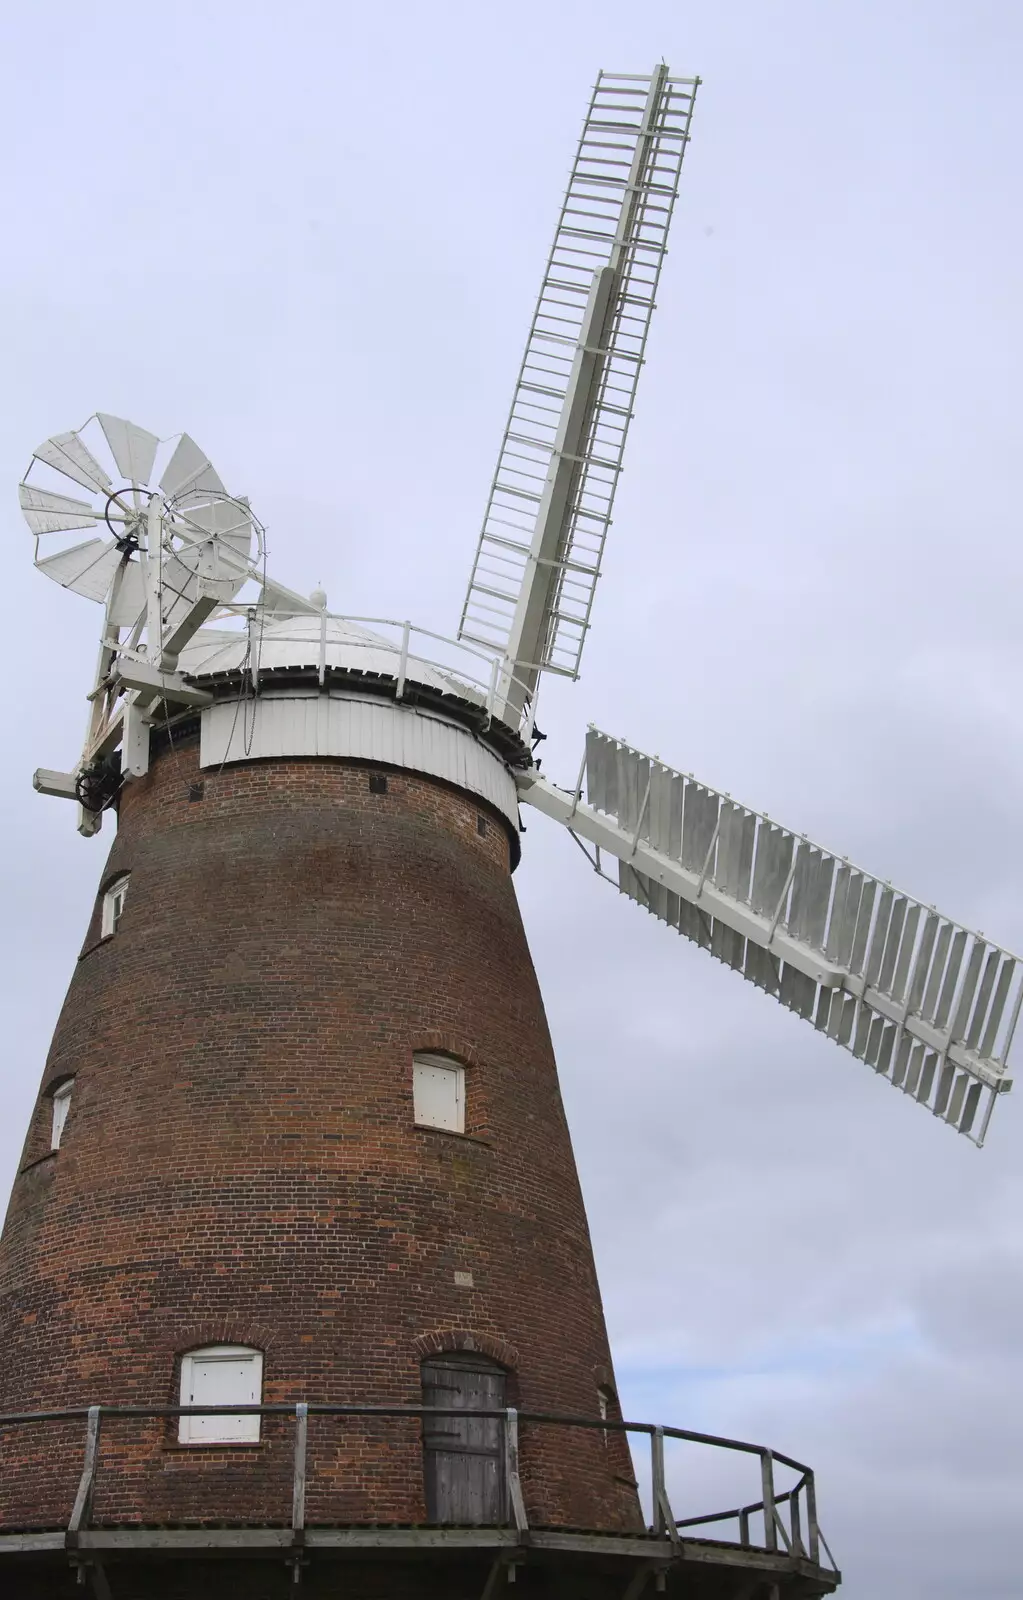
{"points": [[607, 1405], [113, 905], [61, 1102], [464, 1457], [221, 1375]]}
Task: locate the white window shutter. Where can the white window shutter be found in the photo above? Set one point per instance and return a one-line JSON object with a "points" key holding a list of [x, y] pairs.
{"points": [[61, 1103], [221, 1375], [438, 1093]]}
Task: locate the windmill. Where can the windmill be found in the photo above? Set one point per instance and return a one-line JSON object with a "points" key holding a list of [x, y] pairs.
{"points": [[330, 806]]}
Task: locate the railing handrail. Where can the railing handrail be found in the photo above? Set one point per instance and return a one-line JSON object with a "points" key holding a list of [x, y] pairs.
{"points": [[482, 686], [665, 1524], [742, 1511], [287, 1409]]}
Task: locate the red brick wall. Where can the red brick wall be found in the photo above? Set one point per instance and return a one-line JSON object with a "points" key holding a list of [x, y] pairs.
{"points": [[240, 1162]]}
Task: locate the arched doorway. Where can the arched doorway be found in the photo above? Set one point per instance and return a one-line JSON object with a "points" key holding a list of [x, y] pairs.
{"points": [[464, 1457]]}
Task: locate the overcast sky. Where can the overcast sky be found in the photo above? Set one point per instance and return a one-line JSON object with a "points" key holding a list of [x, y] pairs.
{"points": [[312, 236]]}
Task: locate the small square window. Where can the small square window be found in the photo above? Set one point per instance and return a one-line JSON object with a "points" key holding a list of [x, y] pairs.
{"points": [[378, 783], [221, 1375], [438, 1093], [61, 1104], [113, 905]]}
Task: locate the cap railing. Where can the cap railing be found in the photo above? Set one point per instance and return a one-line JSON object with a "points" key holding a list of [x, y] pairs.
{"points": [[788, 1517], [481, 676]]}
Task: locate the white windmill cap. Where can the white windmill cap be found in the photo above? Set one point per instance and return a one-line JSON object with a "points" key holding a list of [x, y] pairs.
{"points": [[303, 643]]}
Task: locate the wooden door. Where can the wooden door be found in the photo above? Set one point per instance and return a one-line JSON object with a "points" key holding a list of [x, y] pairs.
{"points": [[464, 1457]]}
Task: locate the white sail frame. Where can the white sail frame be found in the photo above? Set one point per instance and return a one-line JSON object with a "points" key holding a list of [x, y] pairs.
{"points": [[539, 554], [929, 1004]]}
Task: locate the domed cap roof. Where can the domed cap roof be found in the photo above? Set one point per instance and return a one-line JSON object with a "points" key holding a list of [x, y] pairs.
{"points": [[308, 643], [342, 654]]}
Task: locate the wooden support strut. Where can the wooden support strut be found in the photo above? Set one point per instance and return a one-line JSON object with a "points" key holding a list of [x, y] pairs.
{"points": [[664, 1518], [638, 1582], [82, 1510], [502, 1569], [162, 684], [100, 1582], [511, 1472]]}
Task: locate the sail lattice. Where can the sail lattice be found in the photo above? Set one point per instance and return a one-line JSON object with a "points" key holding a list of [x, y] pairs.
{"points": [[552, 495], [929, 1004]]}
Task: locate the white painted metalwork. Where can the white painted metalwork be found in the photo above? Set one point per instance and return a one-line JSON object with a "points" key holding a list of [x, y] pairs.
{"points": [[171, 557], [539, 554], [370, 647], [192, 508], [170, 686], [340, 725], [133, 448], [930, 1005], [61, 785], [445, 691]]}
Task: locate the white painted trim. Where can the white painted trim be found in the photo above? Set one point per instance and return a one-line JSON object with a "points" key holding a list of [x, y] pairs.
{"points": [[600, 829], [61, 1104], [113, 905], [358, 727]]}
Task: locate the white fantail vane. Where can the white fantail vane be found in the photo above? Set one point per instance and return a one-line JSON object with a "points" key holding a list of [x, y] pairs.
{"points": [[184, 527], [928, 1004], [173, 551]]}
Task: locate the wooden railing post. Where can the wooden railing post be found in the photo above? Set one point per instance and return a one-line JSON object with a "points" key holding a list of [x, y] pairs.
{"points": [[664, 1517], [403, 661], [298, 1485], [812, 1530], [801, 1539], [794, 1522], [298, 1490], [82, 1511], [767, 1490]]}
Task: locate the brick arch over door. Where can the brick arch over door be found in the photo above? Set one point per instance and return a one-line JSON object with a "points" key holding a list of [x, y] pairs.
{"points": [[448, 1341]]}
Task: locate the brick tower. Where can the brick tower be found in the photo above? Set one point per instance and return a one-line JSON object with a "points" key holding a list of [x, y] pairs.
{"points": [[299, 1144], [296, 1289], [308, 1113]]}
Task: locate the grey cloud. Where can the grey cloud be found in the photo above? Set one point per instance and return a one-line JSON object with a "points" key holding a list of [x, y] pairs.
{"points": [[810, 598]]}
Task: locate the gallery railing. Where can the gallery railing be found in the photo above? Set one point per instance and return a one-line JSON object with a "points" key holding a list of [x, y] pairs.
{"points": [[398, 649], [785, 1519]]}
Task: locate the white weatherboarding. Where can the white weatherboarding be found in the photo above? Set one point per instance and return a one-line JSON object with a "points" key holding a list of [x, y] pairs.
{"points": [[929, 1005]]}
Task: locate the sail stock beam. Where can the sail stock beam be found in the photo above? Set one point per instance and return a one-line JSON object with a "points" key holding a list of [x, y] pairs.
{"points": [[930, 1005], [540, 551]]}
